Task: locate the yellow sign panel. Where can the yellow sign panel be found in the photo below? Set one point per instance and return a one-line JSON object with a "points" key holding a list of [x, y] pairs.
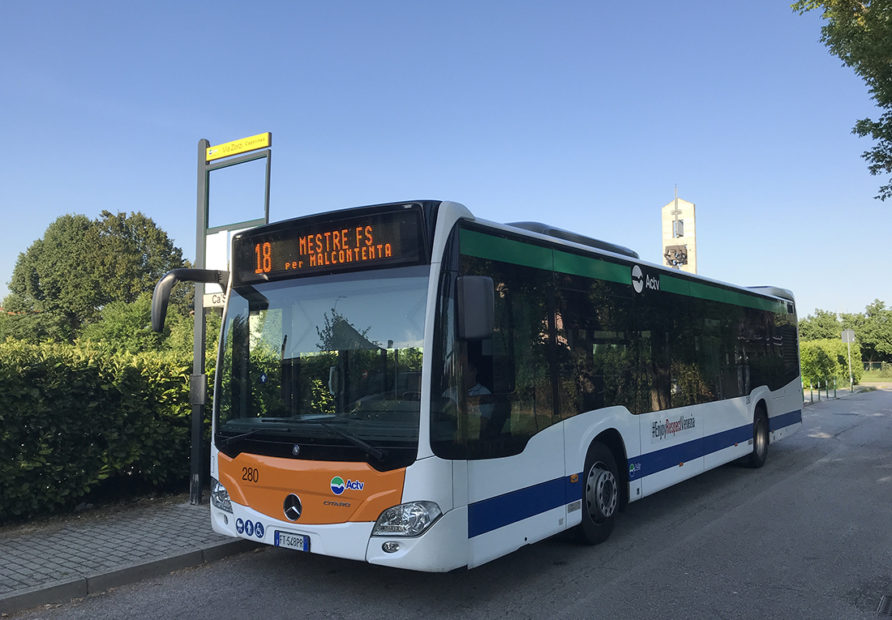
{"points": [[237, 147]]}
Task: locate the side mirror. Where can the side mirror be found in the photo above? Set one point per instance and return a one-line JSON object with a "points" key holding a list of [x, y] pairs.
{"points": [[476, 307], [161, 294]]}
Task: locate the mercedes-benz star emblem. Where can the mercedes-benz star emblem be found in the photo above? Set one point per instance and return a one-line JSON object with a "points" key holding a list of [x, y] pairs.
{"points": [[292, 507], [295, 450]]}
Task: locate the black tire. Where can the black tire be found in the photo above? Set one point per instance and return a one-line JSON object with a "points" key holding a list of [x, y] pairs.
{"points": [[600, 495], [759, 454]]}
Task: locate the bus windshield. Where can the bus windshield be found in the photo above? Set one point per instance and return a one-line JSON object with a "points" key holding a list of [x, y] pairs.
{"points": [[325, 368]]}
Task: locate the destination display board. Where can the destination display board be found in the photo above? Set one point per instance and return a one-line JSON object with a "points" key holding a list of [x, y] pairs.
{"points": [[356, 240]]}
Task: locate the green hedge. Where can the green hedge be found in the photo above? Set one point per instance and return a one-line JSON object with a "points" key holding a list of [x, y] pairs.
{"points": [[71, 418], [824, 360]]}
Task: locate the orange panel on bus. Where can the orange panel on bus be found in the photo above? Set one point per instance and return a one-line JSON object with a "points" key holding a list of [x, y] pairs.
{"points": [[330, 492]]}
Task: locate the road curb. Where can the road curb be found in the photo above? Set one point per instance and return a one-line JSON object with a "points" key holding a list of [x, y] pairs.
{"points": [[78, 587]]}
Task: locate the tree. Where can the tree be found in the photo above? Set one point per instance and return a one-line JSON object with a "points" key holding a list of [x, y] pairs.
{"points": [[339, 333], [178, 334], [135, 254], [82, 265], [873, 330], [824, 324], [41, 280], [822, 361], [818, 366], [127, 327], [124, 327], [859, 32]]}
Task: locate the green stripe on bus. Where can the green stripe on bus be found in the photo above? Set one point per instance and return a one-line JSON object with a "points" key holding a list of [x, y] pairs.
{"points": [[481, 245], [577, 265], [680, 286]]}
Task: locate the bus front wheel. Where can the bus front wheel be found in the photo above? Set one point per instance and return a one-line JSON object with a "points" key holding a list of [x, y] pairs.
{"points": [[600, 494]]}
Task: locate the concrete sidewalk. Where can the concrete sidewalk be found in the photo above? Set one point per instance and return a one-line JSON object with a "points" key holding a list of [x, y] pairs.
{"points": [[91, 552], [813, 397]]}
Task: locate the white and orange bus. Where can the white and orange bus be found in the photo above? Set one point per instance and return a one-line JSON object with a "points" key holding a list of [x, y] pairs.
{"points": [[411, 386]]}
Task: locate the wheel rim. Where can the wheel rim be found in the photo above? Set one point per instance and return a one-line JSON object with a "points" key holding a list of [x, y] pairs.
{"points": [[600, 492]]}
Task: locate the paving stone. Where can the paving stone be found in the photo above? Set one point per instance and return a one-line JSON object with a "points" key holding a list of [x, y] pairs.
{"points": [[53, 556]]}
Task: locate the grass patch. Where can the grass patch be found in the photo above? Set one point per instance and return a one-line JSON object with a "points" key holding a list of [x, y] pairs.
{"points": [[877, 375]]}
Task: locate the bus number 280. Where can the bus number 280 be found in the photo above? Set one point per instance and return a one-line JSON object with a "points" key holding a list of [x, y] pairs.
{"points": [[251, 474]]}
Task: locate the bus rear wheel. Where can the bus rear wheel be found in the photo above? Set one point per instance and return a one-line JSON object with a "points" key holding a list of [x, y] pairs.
{"points": [[600, 495], [759, 454]]}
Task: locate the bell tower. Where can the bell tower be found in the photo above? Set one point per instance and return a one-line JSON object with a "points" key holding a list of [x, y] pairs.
{"points": [[680, 235]]}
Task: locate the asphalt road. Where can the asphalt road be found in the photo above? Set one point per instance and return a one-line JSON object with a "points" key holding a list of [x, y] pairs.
{"points": [[807, 536]]}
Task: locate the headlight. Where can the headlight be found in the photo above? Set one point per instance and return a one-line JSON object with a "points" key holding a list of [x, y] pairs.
{"points": [[220, 496], [410, 519]]}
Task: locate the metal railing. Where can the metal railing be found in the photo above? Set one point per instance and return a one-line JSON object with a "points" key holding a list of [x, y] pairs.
{"points": [[881, 366]]}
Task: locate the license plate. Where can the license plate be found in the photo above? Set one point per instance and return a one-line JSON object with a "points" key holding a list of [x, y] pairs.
{"points": [[292, 541]]}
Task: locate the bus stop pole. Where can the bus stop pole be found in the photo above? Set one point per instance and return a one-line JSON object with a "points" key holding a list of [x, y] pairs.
{"points": [[198, 385]]}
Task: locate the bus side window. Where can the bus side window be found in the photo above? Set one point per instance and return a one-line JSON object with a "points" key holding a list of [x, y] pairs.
{"points": [[514, 364], [596, 359]]}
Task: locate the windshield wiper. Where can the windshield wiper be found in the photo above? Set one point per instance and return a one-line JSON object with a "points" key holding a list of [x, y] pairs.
{"points": [[250, 433], [229, 440], [369, 449]]}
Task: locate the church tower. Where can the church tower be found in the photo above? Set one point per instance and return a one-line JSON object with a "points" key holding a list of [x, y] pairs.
{"points": [[680, 235]]}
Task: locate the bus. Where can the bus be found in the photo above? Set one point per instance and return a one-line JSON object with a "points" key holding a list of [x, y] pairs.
{"points": [[412, 386]]}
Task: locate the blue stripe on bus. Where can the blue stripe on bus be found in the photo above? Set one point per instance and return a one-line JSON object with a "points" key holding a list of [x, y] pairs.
{"points": [[495, 512], [788, 419], [490, 514], [661, 460]]}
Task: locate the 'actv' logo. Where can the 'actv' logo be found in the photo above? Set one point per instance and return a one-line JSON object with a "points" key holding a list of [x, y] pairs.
{"points": [[641, 280], [338, 485]]}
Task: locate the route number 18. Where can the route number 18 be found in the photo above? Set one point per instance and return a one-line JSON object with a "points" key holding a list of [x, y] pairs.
{"points": [[263, 253]]}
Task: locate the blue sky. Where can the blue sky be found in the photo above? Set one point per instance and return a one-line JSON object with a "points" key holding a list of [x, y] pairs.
{"points": [[585, 115]]}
